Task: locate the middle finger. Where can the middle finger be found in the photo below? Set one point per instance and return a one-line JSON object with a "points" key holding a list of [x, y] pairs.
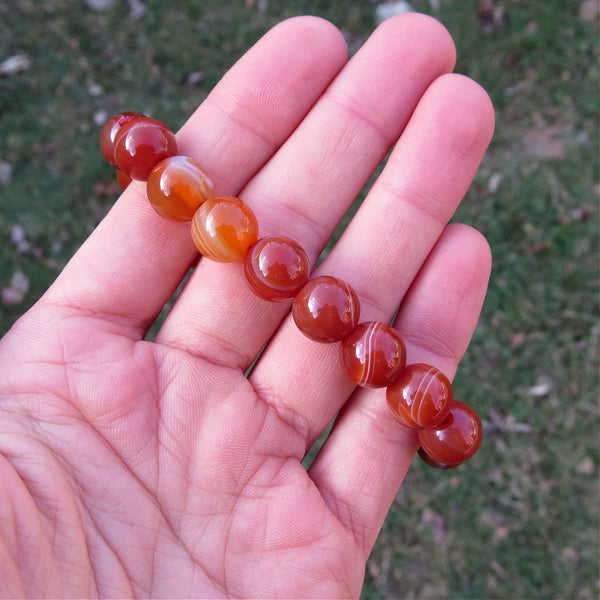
{"points": [[307, 186]]}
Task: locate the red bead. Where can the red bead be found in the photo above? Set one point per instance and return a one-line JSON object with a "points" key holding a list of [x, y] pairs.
{"points": [[123, 179], [109, 133], [420, 397], [326, 309], [374, 354], [224, 228], [141, 144], [177, 186], [276, 268], [436, 464], [455, 439]]}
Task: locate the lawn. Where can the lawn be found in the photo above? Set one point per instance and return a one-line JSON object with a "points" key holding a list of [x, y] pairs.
{"points": [[521, 519]]}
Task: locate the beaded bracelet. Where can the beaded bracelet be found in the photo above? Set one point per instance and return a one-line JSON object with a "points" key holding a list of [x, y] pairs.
{"points": [[325, 309]]}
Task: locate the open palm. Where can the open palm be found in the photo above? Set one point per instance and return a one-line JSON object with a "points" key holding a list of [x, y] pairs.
{"points": [[137, 468]]}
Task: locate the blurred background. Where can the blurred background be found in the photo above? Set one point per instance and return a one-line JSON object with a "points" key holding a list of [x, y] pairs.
{"points": [[521, 519]]}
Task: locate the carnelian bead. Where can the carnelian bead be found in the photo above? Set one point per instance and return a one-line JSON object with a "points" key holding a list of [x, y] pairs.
{"points": [[109, 133], [141, 144], [374, 354], [124, 180], [223, 229], [326, 309], [436, 464], [420, 398], [454, 440], [276, 268], [177, 186]]}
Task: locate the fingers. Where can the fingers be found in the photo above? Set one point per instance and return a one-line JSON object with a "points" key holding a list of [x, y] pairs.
{"points": [[133, 262], [304, 190], [386, 243], [365, 458]]}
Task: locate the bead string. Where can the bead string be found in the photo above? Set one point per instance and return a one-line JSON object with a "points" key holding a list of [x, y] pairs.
{"points": [[325, 309]]}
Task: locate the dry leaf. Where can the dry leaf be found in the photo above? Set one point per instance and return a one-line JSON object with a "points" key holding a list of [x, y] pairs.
{"points": [[107, 187], [19, 238], [586, 466], [387, 10], [16, 290], [194, 78], [101, 4], [507, 423], [14, 64], [517, 340], [137, 10], [491, 17], [6, 170], [542, 387], [537, 248], [590, 10], [435, 523], [544, 142]]}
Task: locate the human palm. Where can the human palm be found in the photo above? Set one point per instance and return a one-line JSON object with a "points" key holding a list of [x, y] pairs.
{"points": [[138, 468]]}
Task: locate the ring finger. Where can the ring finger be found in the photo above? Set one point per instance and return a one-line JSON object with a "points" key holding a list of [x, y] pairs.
{"points": [[385, 245]]}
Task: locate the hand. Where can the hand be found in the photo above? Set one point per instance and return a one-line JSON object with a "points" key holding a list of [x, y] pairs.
{"points": [[137, 468]]}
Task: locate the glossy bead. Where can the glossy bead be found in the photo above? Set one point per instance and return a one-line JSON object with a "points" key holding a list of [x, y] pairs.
{"points": [[223, 229], [454, 440], [141, 144], [420, 398], [109, 132], [326, 309], [177, 186], [436, 464], [276, 268], [123, 179], [374, 354]]}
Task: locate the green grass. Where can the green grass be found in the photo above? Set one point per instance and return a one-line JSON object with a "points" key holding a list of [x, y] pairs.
{"points": [[521, 520]]}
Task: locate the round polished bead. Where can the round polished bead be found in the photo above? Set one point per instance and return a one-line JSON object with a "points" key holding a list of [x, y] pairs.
{"points": [[140, 144], [326, 309], [456, 439], [276, 268], [109, 133], [223, 229], [123, 179], [177, 186], [420, 398], [374, 354]]}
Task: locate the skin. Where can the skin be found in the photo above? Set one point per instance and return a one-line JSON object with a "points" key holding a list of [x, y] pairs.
{"points": [[137, 468]]}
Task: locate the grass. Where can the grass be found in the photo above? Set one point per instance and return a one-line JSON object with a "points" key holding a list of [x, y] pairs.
{"points": [[521, 521]]}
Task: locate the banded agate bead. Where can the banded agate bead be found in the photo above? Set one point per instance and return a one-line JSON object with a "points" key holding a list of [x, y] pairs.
{"points": [[326, 309], [141, 144], [223, 229], [456, 439], [109, 133], [420, 398], [374, 354], [276, 268], [177, 186], [124, 180]]}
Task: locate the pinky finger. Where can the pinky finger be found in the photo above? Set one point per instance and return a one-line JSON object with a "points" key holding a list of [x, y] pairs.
{"points": [[363, 462]]}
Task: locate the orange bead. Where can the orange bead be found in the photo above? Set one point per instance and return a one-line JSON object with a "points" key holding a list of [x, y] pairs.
{"points": [[456, 439], [124, 180], [177, 186], [420, 398], [109, 133], [224, 228], [140, 144], [326, 309], [374, 354], [276, 268]]}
